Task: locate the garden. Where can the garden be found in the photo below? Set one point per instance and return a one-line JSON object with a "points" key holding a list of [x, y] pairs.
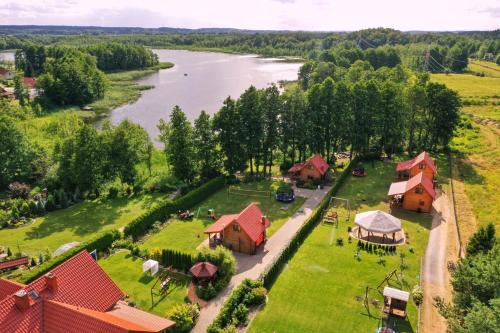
{"points": [[326, 280], [187, 235]]}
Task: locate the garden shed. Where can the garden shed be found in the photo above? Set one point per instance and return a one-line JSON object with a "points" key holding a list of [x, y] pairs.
{"points": [[395, 301]]}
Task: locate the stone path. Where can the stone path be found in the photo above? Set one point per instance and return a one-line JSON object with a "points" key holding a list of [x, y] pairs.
{"points": [[251, 266]]}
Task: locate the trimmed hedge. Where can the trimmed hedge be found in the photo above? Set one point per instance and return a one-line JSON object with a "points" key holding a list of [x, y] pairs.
{"points": [[99, 243], [176, 259], [235, 309], [162, 211], [270, 275]]}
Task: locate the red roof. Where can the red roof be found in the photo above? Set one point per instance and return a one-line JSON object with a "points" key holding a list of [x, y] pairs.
{"points": [[405, 186], [7, 288], [29, 82], [250, 221], [80, 303], [13, 263], [316, 161], [422, 157], [4, 71], [420, 179], [203, 270]]}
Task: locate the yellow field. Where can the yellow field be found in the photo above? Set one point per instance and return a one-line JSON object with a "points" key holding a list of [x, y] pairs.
{"points": [[469, 85], [487, 68]]}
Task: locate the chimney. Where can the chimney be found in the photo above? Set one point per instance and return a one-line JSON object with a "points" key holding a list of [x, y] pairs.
{"points": [[22, 300], [51, 281], [263, 220]]}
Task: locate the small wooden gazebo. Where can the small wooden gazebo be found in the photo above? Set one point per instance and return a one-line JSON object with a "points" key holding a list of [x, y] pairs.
{"points": [[378, 225], [203, 271]]}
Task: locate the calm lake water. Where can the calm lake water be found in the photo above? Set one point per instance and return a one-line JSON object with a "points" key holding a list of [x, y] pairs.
{"points": [[7, 56], [211, 77]]}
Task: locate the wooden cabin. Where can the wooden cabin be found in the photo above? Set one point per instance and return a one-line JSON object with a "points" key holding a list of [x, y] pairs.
{"points": [[395, 301], [313, 169], [415, 194], [243, 232], [422, 163]]}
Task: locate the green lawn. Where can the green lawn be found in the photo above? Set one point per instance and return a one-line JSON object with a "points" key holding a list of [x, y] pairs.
{"points": [[187, 235], [469, 85], [317, 290], [126, 271], [76, 223], [488, 68]]}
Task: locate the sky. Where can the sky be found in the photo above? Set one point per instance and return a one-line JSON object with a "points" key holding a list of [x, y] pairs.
{"points": [[317, 15]]}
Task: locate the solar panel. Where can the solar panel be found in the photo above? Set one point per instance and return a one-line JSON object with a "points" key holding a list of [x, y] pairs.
{"points": [[94, 254]]}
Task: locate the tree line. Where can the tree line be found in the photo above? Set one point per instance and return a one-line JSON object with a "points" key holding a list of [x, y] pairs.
{"points": [[365, 111]]}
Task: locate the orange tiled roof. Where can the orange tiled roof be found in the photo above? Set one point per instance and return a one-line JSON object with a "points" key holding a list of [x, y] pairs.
{"points": [[82, 298], [7, 288]]}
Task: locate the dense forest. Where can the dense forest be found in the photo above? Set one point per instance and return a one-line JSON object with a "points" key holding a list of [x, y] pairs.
{"points": [[434, 51]]}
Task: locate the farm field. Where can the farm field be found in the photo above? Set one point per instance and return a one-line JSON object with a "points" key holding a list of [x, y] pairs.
{"points": [[323, 280], [488, 68], [76, 223], [126, 271], [186, 236], [476, 148]]}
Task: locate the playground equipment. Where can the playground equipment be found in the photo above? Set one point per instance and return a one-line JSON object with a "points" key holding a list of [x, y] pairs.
{"points": [[331, 216], [162, 283], [341, 206], [211, 214]]}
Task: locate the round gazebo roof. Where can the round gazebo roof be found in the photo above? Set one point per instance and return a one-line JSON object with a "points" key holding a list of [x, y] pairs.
{"points": [[378, 221], [203, 270]]}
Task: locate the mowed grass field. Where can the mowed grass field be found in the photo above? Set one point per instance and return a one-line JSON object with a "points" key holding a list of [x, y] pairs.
{"points": [[322, 281], [487, 68], [126, 271], [186, 236], [76, 223]]}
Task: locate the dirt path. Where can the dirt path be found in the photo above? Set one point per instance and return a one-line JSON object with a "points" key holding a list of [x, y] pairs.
{"points": [[251, 266], [442, 247]]}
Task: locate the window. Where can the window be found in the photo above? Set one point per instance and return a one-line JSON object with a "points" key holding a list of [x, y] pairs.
{"points": [[421, 203], [419, 190], [236, 227], [421, 166]]}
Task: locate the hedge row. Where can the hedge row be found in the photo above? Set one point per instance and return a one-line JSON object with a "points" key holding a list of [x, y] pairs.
{"points": [[100, 243], [176, 259], [270, 275], [162, 211]]}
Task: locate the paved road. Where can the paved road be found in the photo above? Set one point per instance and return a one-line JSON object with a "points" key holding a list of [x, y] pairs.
{"points": [[434, 276], [251, 266]]}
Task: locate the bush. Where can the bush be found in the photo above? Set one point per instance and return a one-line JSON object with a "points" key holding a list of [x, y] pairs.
{"points": [[112, 192], [184, 316], [176, 259], [123, 243], [417, 295], [206, 292], [19, 190], [240, 315], [340, 242], [223, 259], [162, 211], [257, 296], [50, 205]]}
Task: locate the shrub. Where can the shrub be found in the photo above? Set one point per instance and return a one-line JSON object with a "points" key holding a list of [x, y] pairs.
{"points": [[112, 192], [206, 292], [50, 205], [417, 295], [349, 229], [176, 259], [155, 253], [123, 243], [340, 242], [184, 316], [240, 315], [223, 259], [257, 296], [19, 190]]}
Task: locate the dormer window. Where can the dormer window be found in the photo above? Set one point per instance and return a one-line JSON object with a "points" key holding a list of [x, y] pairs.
{"points": [[419, 190], [236, 227]]}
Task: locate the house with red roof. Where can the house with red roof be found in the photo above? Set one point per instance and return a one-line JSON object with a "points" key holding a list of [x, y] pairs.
{"points": [[422, 163], [6, 73], [243, 232], [315, 168], [76, 296], [415, 194]]}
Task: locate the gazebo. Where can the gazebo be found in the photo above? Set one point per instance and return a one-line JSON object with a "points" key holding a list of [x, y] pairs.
{"points": [[203, 271], [378, 225]]}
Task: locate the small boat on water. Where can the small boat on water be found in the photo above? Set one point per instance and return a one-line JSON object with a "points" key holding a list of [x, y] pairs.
{"points": [[185, 74]]}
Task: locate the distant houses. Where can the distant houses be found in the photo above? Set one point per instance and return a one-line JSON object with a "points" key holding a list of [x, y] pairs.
{"points": [[6, 73], [417, 193], [315, 168]]}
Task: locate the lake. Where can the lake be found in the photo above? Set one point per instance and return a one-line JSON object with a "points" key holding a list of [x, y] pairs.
{"points": [[211, 77], [7, 56]]}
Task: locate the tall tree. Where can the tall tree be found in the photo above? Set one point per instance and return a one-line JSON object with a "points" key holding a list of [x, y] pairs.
{"points": [[271, 108], [205, 147], [228, 127], [20, 91], [179, 146], [252, 126]]}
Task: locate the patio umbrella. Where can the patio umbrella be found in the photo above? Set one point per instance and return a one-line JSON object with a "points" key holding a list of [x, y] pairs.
{"points": [[378, 221]]}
